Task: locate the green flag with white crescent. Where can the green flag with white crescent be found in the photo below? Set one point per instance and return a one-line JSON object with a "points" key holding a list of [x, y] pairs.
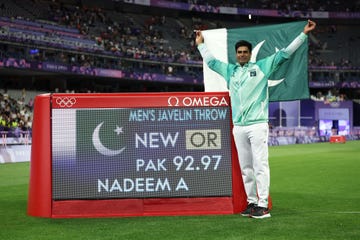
{"points": [[289, 82]]}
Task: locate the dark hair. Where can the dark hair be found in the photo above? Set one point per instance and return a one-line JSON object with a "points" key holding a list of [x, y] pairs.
{"points": [[243, 43]]}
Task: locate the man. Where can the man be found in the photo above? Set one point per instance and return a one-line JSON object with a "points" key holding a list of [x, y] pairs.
{"points": [[248, 85]]}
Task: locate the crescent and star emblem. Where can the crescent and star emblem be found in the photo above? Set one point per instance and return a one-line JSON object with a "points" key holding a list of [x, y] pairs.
{"points": [[100, 147], [255, 51]]}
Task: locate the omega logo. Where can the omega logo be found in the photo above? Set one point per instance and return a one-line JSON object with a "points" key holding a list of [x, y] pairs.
{"points": [[206, 101]]}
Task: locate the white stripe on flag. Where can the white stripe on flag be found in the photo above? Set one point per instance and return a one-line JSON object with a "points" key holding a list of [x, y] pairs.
{"points": [[216, 42]]}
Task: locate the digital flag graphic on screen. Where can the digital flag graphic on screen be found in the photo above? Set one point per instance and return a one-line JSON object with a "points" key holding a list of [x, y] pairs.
{"points": [[141, 153]]}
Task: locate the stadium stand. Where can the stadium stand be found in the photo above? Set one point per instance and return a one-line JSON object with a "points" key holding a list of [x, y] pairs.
{"points": [[107, 46]]}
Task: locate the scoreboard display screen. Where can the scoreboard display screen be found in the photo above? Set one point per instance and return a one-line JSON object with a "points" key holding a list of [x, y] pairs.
{"points": [[178, 147]]}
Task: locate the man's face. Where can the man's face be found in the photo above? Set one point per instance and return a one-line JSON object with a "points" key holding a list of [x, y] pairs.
{"points": [[243, 55]]}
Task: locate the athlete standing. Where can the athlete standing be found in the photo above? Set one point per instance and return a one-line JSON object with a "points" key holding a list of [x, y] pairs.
{"points": [[248, 85]]}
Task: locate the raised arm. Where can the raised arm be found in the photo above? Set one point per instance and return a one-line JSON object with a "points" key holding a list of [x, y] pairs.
{"points": [[296, 43], [213, 63]]}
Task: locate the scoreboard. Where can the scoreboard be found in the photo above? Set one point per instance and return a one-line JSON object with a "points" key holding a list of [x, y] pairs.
{"points": [[98, 155]]}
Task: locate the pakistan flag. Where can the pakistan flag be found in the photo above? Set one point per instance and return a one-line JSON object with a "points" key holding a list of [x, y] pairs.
{"points": [[101, 134], [289, 82]]}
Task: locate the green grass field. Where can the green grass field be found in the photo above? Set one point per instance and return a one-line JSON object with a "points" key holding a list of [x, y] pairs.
{"points": [[315, 190]]}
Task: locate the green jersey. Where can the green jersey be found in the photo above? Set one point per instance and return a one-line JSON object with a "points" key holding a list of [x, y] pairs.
{"points": [[248, 84]]}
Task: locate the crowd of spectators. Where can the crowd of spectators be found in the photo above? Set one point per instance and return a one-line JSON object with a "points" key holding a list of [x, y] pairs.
{"points": [[138, 39], [127, 38], [150, 44], [320, 44], [142, 44], [15, 116], [332, 95], [145, 40]]}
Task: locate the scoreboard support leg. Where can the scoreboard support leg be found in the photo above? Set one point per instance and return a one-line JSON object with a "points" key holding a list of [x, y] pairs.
{"points": [[39, 200]]}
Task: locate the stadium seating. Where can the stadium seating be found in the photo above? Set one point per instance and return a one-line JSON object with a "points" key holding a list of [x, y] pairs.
{"points": [[135, 43]]}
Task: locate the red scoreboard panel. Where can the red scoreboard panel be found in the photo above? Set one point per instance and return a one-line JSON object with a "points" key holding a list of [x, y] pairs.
{"points": [[142, 154]]}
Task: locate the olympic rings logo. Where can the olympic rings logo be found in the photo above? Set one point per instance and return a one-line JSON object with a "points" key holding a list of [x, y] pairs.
{"points": [[65, 101]]}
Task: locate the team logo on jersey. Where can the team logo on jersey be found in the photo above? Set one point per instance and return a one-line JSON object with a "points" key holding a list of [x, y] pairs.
{"points": [[253, 73]]}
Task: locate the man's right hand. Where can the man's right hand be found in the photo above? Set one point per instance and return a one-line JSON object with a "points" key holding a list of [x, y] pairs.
{"points": [[198, 37]]}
